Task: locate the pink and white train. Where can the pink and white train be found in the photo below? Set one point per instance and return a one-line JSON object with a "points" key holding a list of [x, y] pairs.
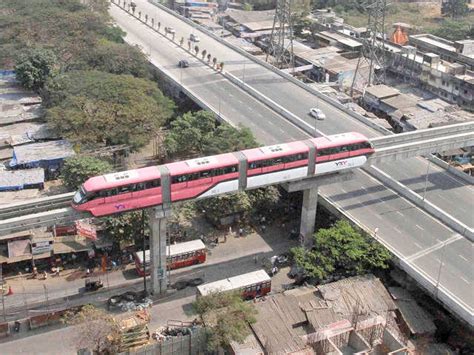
{"points": [[217, 174]]}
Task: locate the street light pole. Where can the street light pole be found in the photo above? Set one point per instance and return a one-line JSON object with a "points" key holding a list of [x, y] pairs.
{"points": [[144, 248], [426, 180]]}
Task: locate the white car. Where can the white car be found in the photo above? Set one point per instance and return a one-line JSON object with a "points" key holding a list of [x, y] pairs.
{"points": [[317, 113], [194, 38]]}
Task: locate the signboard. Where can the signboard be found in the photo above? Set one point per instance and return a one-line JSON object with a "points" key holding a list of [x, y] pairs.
{"points": [[19, 247], [41, 247], [85, 229]]}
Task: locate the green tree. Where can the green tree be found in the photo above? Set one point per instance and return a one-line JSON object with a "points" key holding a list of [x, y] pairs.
{"points": [[94, 329], [247, 7], [454, 30], [226, 317], [93, 108], [199, 133], [117, 58], [264, 199], [218, 207], [78, 169], [455, 8], [34, 67], [190, 132], [341, 250], [127, 227]]}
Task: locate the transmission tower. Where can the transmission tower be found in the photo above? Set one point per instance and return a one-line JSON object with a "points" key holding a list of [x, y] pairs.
{"points": [[372, 53], [281, 39]]}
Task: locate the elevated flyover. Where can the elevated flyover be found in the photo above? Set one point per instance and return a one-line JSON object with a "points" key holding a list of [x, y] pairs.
{"points": [[406, 229]]}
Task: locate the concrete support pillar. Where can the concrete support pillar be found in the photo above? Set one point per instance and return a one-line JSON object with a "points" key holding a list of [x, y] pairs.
{"points": [[157, 220], [308, 215]]}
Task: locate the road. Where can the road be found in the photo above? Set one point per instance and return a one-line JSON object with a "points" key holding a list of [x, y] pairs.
{"points": [[234, 257], [402, 226]]}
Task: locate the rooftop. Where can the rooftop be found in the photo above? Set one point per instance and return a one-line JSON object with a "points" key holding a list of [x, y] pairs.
{"points": [[36, 152], [19, 179], [382, 91], [347, 41]]}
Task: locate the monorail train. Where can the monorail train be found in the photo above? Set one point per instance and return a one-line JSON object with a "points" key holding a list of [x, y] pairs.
{"points": [[214, 175]]}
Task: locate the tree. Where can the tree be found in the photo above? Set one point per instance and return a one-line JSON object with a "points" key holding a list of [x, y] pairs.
{"points": [[222, 206], [94, 329], [455, 8], [226, 317], [34, 67], [454, 30], [78, 169], [117, 58], [341, 250], [199, 133], [127, 227], [93, 108], [247, 7]]}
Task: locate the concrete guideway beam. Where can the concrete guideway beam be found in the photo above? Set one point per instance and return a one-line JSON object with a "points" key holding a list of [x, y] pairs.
{"points": [[42, 219], [429, 133], [157, 220], [414, 149]]}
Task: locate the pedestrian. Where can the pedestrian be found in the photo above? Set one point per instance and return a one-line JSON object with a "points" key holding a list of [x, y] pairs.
{"points": [[241, 232], [58, 269], [45, 275], [255, 258], [88, 271]]}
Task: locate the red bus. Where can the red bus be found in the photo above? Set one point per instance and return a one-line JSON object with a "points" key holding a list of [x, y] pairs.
{"points": [[253, 284], [177, 256]]}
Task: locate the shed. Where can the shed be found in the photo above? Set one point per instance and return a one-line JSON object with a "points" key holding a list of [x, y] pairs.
{"points": [[415, 318], [21, 179], [47, 155]]}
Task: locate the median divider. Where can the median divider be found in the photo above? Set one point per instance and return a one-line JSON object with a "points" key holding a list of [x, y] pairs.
{"points": [[424, 204]]}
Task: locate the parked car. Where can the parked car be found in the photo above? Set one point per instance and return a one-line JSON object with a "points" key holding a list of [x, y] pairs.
{"points": [[183, 63], [194, 38], [317, 113], [170, 30]]}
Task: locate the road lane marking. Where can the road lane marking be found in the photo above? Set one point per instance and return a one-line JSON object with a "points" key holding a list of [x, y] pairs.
{"points": [[437, 246], [398, 230], [418, 245], [462, 257], [419, 227], [462, 278], [401, 214]]}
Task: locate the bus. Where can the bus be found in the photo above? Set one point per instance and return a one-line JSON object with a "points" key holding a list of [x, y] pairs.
{"points": [[177, 256], [253, 284]]}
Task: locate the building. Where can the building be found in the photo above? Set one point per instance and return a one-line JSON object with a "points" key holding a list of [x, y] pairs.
{"points": [[354, 315], [47, 155], [11, 180]]}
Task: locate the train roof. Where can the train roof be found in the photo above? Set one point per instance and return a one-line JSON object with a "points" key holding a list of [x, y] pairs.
{"points": [[234, 283], [121, 178], [338, 139], [200, 164], [175, 249], [275, 151]]}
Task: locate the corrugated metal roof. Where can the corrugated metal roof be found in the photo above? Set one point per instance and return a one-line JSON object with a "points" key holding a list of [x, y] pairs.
{"points": [[19, 179], [32, 153]]}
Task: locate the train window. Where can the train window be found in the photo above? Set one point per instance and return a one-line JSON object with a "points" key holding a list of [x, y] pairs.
{"points": [[125, 189], [205, 174]]}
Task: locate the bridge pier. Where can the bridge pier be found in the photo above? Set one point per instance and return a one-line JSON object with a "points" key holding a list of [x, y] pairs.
{"points": [[310, 188], [308, 215], [158, 276]]}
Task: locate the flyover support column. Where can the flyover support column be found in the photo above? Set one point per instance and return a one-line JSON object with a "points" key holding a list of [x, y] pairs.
{"points": [[157, 220], [308, 215]]}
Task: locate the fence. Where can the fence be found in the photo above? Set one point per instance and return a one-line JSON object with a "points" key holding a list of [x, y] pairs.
{"points": [[192, 344]]}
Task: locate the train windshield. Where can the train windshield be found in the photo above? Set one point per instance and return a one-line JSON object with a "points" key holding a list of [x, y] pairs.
{"points": [[79, 196]]}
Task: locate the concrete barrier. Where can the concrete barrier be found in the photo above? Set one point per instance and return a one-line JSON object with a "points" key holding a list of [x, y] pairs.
{"points": [[458, 173], [418, 201]]}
